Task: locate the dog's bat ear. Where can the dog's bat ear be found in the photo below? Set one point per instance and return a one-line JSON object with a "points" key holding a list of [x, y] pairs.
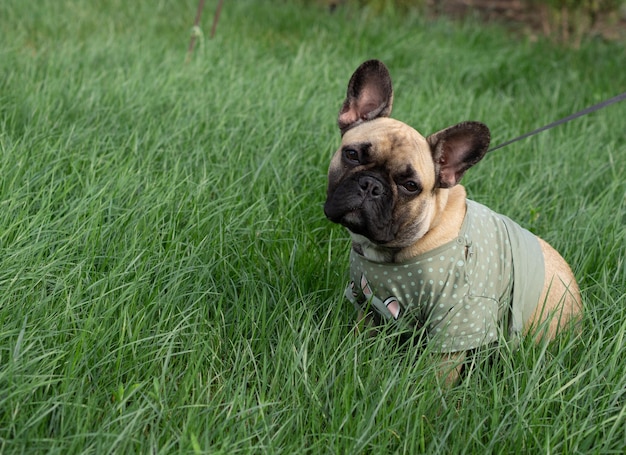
{"points": [[370, 95], [456, 149]]}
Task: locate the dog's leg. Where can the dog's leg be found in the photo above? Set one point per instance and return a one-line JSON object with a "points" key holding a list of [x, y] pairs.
{"points": [[450, 368], [560, 302], [366, 322]]}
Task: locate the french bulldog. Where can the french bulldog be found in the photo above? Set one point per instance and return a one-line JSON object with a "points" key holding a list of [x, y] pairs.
{"points": [[423, 255]]}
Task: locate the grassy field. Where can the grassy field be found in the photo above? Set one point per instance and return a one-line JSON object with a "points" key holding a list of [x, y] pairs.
{"points": [[168, 281]]}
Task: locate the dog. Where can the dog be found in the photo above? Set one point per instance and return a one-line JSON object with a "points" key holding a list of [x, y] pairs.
{"points": [[423, 255]]}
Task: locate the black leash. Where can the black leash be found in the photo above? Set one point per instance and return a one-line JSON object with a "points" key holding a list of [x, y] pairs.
{"points": [[586, 111]]}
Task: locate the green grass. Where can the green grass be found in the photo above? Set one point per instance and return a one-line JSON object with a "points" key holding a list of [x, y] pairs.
{"points": [[168, 281]]}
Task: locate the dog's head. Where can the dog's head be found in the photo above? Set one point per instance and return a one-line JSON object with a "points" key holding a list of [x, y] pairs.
{"points": [[384, 180]]}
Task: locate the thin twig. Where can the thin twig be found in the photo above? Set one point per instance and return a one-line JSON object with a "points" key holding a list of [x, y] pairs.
{"points": [[216, 17], [195, 27]]}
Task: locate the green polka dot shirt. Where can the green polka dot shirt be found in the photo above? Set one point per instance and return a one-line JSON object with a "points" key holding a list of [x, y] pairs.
{"points": [[467, 293]]}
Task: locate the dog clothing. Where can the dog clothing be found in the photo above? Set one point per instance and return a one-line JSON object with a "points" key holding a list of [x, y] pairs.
{"points": [[470, 292]]}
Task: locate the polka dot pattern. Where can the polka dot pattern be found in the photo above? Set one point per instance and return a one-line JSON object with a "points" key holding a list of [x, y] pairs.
{"points": [[458, 292]]}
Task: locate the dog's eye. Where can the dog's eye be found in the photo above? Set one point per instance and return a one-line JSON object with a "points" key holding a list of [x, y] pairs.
{"points": [[411, 186], [351, 155]]}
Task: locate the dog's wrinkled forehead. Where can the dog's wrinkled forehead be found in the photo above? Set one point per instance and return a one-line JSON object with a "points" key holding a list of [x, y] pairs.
{"points": [[393, 142]]}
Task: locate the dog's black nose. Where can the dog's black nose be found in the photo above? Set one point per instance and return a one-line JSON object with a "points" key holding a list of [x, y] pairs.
{"points": [[370, 186]]}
